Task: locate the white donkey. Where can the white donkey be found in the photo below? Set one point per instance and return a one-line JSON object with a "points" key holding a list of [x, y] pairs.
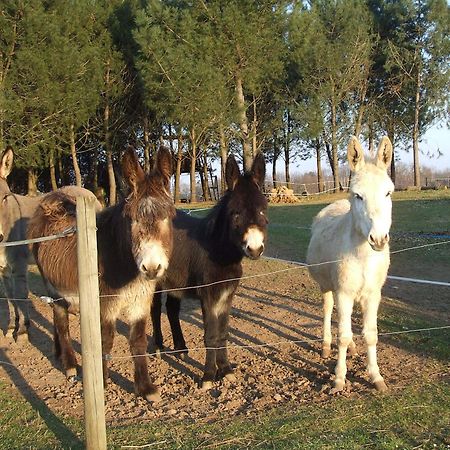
{"points": [[354, 234]]}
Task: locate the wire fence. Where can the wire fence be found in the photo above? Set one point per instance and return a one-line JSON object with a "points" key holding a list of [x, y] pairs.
{"points": [[235, 347], [297, 266]]}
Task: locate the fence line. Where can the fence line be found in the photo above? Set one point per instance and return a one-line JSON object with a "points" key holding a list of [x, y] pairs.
{"points": [[110, 357], [65, 233], [157, 354], [298, 265]]}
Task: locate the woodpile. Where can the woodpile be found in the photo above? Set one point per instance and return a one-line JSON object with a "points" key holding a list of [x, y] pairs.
{"points": [[282, 195]]}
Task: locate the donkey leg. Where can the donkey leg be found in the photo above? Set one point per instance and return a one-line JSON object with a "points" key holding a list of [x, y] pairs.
{"points": [[370, 332], [21, 292], [108, 329], [138, 347], [155, 312], [210, 339], [173, 313], [64, 345], [345, 336], [223, 364], [8, 283], [328, 303]]}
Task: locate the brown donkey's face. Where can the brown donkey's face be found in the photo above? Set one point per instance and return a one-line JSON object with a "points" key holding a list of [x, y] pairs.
{"points": [[150, 210], [247, 208]]}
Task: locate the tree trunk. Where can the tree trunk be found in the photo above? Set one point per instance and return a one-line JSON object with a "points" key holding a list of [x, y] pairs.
{"points": [[51, 163], [254, 130], [243, 123], [276, 152], [108, 149], [94, 169], [361, 109], [223, 159], [176, 194], [391, 136], [73, 152], [329, 154], [370, 137], [320, 187], [287, 145], [415, 135], [334, 149], [147, 163], [206, 194], [192, 169], [32, 182]]}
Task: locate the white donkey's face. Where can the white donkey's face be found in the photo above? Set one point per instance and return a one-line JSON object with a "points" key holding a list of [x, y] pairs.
{"points": [[371, 190]]}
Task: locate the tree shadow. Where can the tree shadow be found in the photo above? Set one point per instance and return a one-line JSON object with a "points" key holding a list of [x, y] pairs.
{"points": [[65, 435]]}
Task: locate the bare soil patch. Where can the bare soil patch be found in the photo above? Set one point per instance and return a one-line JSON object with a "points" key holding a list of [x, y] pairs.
{"points": [[282, 310]]}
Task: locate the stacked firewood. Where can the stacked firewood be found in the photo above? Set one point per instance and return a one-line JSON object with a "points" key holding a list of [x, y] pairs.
{"points": [[282, 194]]}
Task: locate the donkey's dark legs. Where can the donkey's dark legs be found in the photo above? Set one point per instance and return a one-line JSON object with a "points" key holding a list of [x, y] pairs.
{"points": [[20, 285], [210, 338], [18, 310], [138, 346], [63, 345], [108, 329], [155, 312], [173, 313], [223, 364]]}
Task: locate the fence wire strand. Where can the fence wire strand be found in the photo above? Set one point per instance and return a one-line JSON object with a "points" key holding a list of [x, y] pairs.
{"points": [[297, 266]]}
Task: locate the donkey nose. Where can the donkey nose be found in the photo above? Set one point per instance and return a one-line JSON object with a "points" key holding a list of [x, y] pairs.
{"points": [[254, 253], [378, 243], [153, 272]]}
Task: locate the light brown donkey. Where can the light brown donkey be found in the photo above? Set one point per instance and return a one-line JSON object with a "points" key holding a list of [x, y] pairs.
{"points": [[15, 211], [134, 241]]}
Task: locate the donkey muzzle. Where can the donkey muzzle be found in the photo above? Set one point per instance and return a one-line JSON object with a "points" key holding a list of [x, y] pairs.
{"points": [[378, 243]]}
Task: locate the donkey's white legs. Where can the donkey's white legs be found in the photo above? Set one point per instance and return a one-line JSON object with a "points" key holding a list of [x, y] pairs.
{"points": [[328, 302], [345, 336], [370, 333]]}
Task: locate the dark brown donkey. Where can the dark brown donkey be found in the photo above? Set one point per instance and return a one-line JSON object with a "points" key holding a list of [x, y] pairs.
{"points": [[209, 250], [134, 245]]}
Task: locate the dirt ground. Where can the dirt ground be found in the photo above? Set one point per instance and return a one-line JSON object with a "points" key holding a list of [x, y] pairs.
{"points": [[282, 310]]}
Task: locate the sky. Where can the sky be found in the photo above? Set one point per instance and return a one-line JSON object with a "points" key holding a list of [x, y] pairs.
{"points": [[437, 137]]}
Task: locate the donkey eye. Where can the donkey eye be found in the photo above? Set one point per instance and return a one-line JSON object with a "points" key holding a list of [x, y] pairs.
{"points": [[359, 197]]}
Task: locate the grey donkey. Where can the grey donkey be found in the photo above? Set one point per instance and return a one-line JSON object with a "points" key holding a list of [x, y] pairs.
{"points": [[15, 212]]}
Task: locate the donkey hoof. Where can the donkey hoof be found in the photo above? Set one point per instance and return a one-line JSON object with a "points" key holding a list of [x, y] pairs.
{"points": [[380, 386], [326, 352], [230, 376], [9, 333], [22, 339], [338, 387], [153, 397], [71, 374], [73, 379], [206, 385]]}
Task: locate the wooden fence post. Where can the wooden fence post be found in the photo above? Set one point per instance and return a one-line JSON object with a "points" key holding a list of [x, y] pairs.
{"points": [[91, 346]]}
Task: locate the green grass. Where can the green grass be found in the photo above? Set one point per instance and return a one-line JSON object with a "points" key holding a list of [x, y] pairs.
{"points": [[417, 416], [415, 214]]}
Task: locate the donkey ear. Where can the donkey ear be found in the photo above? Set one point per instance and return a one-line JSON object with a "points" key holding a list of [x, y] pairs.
{"points": [[355, 154], [384, 154], [259, 169], [164, 164], [232, 172], [132, 170], [6, 162]]}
